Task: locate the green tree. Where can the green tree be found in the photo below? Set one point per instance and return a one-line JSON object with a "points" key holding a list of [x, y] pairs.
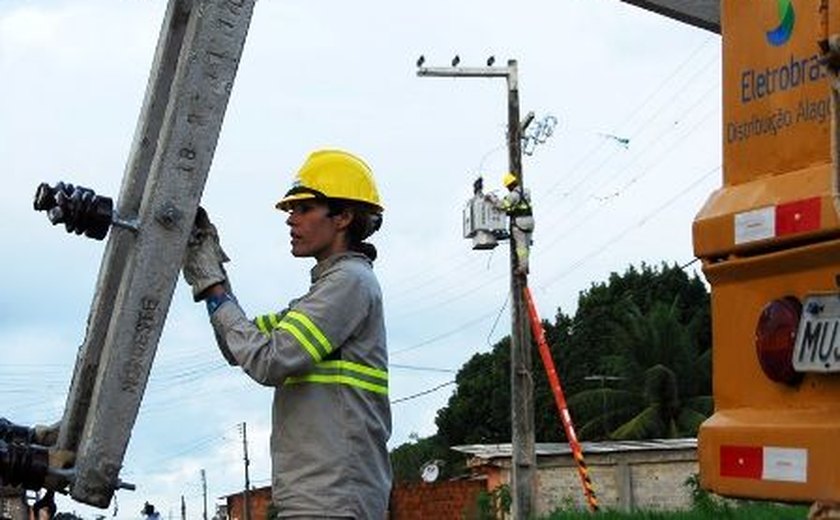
{"points": [[479, 409], [409, 458], [622, 328], [604, 391], [662, 377]]}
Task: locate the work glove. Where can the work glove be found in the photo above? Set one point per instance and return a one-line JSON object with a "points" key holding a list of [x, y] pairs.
{"points": [[204, 258], [46, 434]]}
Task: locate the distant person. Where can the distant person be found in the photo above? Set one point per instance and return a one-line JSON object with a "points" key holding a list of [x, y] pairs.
{"points": [[325, 354], [149, 512], [517, 204]]}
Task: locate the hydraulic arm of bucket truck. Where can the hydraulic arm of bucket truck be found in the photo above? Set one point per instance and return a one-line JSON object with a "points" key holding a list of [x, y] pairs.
{"points": [[192, 75]]}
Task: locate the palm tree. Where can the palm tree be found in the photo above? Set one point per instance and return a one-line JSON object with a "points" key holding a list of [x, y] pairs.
{"points": [[662, 379]]}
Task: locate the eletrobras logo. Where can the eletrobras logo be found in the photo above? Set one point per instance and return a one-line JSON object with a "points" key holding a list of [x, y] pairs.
{"points": [[781, 34], [784, 73]]}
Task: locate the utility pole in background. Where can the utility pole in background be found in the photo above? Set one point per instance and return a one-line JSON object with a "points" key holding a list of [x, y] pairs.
{"points": [[523, 474], [246, 506], [204, 492]]}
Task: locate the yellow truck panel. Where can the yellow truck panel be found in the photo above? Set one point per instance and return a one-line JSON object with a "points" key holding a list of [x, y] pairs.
{"points": [[768, 237]]}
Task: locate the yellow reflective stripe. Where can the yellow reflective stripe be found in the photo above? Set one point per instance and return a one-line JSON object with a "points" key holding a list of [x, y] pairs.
{"points": [[356, 367], [344, 374], [338, 379], [303, 340], [312, 328], [275, 322], [260, 322]]}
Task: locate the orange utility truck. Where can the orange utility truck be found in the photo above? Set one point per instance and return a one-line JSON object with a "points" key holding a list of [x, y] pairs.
{"points": [[769, 240]]}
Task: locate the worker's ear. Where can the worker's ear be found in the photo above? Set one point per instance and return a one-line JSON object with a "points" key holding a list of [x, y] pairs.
{"points": [[343, 219]]}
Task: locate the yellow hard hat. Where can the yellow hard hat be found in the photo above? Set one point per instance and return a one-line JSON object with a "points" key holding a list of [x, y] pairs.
{"points": [[509, 179], [333, 174]]}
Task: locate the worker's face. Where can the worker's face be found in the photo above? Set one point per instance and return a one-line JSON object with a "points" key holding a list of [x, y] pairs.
{"points": [[314, 233]]}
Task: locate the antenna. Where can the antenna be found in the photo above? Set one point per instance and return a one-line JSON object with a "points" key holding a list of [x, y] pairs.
{"points": [[430, 471]]}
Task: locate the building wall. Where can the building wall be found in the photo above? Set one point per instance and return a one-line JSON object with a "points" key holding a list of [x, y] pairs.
{"points": [[453, 500], [258, 501], [651, 479], [646, 480]]}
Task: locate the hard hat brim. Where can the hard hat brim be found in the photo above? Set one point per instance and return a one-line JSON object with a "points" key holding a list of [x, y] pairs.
{"points": [[284, 203]]}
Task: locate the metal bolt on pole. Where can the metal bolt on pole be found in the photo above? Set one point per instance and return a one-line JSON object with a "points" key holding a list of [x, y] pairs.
{"points": [[523, 474]]}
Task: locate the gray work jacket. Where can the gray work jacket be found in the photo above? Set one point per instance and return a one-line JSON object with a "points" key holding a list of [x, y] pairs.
{"points": [[326, 357]]}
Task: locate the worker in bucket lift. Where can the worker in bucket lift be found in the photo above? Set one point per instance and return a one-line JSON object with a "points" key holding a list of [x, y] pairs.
{"points": [[325, 354], [517, 204]]}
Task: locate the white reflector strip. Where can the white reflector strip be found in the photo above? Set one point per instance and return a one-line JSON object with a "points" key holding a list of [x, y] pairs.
{"points": [[785, 464], [758, 224]]}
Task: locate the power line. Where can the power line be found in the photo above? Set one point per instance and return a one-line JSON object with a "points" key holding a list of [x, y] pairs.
{"points": [[616, 238], [446, 334], [452, 298], [657, 140], [421, 369], [421, 394], [498, 316], [682, 267], [620, 191], [696, 72], [652, 95]]}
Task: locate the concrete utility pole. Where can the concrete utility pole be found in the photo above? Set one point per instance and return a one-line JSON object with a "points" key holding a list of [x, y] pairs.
{"points": [[523, 475], [204, 492], [246, 506], [195, 64]]}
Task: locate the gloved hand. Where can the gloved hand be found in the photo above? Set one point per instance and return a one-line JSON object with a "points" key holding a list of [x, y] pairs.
{"points": [[46, 434], [203, 261]]}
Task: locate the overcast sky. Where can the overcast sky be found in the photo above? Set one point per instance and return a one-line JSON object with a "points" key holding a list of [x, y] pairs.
{"points": [[330, 73]]}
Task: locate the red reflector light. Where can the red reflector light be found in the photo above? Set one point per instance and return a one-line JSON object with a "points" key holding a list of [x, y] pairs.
{"points": [[775, 335]]}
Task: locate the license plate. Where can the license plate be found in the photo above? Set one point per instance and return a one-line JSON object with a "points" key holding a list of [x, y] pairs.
{"points": [[817, 347]]}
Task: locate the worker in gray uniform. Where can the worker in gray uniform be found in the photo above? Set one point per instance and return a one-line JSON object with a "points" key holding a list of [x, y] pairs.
{"points": [[517, 204], [325, 354]]}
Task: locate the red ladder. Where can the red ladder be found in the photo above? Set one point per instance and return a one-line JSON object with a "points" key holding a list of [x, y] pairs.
{"points": [[560, 400]]}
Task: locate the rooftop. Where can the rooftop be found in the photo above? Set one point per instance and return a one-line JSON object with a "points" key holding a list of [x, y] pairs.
{"points": [[495, 451]]}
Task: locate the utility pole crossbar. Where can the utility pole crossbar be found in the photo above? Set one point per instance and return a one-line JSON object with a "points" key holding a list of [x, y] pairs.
{"points": [[465, 72]]}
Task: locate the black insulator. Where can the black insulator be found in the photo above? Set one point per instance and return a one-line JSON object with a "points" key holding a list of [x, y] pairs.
{"points": [[80, 209], [23, 465], [44, 197], [14, 433]]}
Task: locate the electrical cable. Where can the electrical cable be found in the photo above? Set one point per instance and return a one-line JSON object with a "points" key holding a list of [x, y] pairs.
{"points": [[421, 394], [496, 321], [697, 72], [638, 109], [587, 216], [616, 238], [444, 335], [421, 369], [656, 140], [438, 387]]}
